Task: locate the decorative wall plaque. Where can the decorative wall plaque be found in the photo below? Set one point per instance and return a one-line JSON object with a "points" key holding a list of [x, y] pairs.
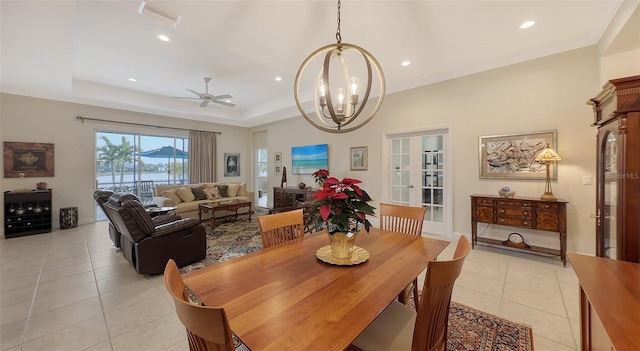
{"points": [[29, 159]]}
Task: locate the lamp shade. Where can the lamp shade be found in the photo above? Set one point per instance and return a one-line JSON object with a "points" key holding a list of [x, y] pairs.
{"points": [[547, 155]]}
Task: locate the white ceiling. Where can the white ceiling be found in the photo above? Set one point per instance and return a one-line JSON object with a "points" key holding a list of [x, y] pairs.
{"points": [[85, 51]]}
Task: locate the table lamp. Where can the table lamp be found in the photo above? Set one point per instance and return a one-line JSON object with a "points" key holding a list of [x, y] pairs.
{"points": [[546, 156]]}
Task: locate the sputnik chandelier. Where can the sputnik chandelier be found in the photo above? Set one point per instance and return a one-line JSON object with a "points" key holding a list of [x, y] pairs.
{"points": [[336, 94]]}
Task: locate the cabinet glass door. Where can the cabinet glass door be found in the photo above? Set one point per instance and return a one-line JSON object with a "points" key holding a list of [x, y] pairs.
{"points": [[609, 206]]}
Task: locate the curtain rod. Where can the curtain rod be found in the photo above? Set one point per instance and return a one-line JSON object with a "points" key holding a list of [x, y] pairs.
{"points": [[82, 119]]}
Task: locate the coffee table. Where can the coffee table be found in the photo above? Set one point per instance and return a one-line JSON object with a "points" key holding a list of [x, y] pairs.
{"points": [[230, 205], [157, 211]]}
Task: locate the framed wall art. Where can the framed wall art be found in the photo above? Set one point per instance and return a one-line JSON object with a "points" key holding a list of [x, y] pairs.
{"points": [[277, 157], [277, 170], [512, 156], [28, 159], [231, 165], [359, 158], [310, 158]]}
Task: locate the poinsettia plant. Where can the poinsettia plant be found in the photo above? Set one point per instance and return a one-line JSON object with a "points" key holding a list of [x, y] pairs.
{"points": [[341, 206], [321, 175]]}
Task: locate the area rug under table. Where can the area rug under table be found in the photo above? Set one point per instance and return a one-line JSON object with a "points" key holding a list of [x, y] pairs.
{"points": [[469, 329]]}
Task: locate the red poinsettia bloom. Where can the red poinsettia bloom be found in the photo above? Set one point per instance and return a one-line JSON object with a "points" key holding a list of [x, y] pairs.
{"points": [[342, 205], [320, 175]]}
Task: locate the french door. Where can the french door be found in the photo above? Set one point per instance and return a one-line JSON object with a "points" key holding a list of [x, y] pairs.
{"points": [[419, 174]]}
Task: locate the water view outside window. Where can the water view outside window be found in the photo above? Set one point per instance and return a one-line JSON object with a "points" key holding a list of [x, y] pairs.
{"points": [[137, 163]]}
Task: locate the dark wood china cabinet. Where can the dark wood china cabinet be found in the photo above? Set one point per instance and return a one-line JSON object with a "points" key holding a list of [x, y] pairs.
{"points": [[617, 116]]}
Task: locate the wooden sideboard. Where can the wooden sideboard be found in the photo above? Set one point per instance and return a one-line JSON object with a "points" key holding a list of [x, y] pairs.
{"points": [[520, 212], [609, 302], [292, 196]]}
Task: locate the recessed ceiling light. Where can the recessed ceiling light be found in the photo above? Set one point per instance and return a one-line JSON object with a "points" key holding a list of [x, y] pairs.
{"points": [[278, 78], [163, 37], [133, 80], [405, 63], [527, 24]]}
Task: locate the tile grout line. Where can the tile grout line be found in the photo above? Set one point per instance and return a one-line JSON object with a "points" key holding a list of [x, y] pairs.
{"points": [[95, 280], [35, 292]]}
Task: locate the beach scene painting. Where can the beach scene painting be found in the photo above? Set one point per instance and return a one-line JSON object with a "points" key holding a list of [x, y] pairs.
{"points": [[310, 158]]}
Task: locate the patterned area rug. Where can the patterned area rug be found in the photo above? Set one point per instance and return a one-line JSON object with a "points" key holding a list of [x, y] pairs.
{"points": [[469, 329], [230, 239]]}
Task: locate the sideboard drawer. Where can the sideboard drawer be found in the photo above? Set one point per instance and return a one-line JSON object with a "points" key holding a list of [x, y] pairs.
{"points": [[514, 203], [516, 222], [548, 206], [511, 211], [484, 201]]}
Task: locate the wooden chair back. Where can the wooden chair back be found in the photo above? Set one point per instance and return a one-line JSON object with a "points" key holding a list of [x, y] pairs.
{"points": [[402, 219], [207, 327], [430, 332], [279, 228]]}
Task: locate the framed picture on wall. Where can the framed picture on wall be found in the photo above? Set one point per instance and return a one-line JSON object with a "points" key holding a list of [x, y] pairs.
{"points": [[231, 165], [277, 157], [28, 160], [359, 158], [512, 156], [277, 169]]}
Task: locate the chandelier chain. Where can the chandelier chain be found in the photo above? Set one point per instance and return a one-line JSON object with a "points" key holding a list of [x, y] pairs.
{"points": [[338, 36]]}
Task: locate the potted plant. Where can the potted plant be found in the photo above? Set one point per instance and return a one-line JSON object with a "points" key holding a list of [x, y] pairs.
{"points": [[341, 207]]}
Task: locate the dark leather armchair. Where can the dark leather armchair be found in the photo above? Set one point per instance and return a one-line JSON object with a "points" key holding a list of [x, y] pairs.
{"points": [[147, 245], [102, 196]]}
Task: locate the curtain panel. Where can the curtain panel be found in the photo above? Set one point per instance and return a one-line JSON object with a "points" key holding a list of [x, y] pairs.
{"points": [[202, 157]]}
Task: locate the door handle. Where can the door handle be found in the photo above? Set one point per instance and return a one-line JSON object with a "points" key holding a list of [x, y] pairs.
{"points": [[597, 217]]}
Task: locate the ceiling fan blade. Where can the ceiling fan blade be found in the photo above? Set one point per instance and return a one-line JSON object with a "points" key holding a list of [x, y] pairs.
{"points": [[225, 96], [195, 92], [223, 103], [188, 98], [204, 103]]}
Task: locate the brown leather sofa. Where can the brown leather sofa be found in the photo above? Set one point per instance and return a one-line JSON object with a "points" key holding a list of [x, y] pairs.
{"points": [[102, 196], [148, 246]]}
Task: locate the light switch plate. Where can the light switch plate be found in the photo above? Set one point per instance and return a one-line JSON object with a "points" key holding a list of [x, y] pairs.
{"points": [[586, 180]]}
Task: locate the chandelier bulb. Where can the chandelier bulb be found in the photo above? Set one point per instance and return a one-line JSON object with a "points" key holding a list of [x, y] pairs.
{"points": [[354, 84]]}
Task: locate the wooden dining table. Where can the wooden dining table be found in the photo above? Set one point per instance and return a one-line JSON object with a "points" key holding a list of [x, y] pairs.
{"points": [[285, 298]]}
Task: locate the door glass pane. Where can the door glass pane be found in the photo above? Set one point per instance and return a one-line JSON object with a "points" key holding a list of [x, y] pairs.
{"points": [[610, 209], [426, 196], [438, 214]]}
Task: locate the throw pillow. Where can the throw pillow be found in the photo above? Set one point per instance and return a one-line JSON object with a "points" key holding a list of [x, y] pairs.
{"points": [[199, 193], [171, 194], [232, 191], [223, 190], [185, 194], [243, 189], [212, 193]]}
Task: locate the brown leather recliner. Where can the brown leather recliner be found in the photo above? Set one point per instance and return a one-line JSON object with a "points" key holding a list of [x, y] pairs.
{"points": [[102, 196], [148, 246]]}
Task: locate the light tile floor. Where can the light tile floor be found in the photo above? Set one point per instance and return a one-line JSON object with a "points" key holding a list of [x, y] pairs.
{"points": [[71, 290]]}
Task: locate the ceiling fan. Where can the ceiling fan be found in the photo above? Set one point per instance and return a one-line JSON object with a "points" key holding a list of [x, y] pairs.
{"points": [[207, 98]]}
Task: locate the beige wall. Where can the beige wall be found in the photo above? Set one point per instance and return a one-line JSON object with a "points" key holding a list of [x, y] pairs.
{"points": [[25, 119], [543, 94]]}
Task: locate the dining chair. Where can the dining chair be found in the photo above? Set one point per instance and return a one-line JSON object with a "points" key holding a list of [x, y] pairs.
{"points": [[207, 327], [398, 327], [406, 220], [279, 228]]}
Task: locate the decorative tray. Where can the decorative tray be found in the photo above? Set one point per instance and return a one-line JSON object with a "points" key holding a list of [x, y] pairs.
{"points": [[360, 255]]}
